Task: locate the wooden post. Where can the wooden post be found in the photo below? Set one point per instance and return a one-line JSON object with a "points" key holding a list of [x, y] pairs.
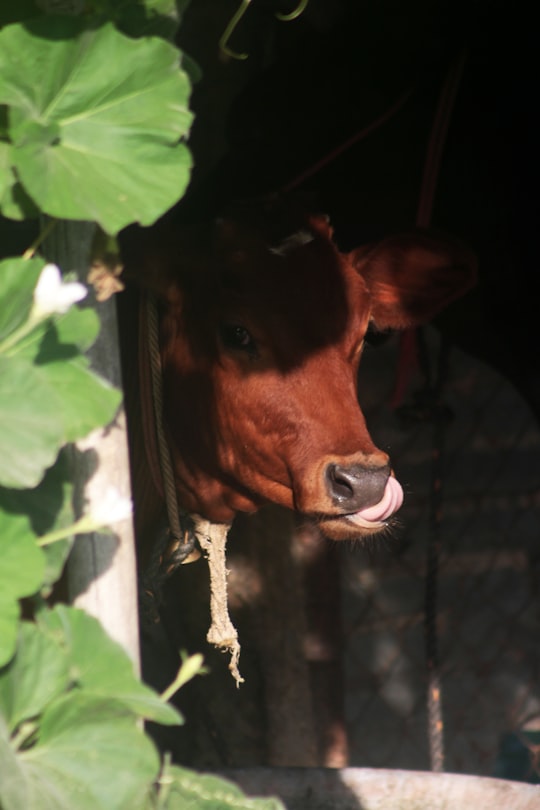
{"points": [[101, 572]]}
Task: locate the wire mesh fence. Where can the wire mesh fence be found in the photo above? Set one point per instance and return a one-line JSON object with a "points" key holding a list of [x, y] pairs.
{"points": [[488, 610]]}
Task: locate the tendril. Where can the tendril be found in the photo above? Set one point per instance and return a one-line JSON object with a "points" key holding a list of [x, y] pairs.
{"points": [[302, 5], [237, 16], [233, 22]]}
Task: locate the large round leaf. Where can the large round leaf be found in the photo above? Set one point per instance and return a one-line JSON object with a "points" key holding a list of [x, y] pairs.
{"points": [[90, 755], [37, 674], [50, 508], [18, 277], [9, 620], [14, 201], [84, 400], [188, 790], [13, 792], [65, 338], [21, 572], [31, 428], [97, 137], [78, 327], [101, 667]]}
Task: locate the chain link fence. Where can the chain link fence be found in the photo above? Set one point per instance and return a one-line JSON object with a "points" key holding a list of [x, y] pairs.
{"points": [[488, 611]]}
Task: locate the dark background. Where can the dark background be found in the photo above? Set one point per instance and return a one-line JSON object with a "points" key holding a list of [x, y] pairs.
{"points": [[307, 88], [311, 85]]}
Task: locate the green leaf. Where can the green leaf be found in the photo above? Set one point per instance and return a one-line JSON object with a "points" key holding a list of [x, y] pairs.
{"points": [[63, 338], [18, 279], [21, 573], [49, 507], [31, 427], [5, 168], [86, 147], [187, 790], [14, 201], [36, 675], [101, 667], [90, 755], [56, 555], [9, 618], [84, 400], [13, 793], [54, 400], [78, 327]]}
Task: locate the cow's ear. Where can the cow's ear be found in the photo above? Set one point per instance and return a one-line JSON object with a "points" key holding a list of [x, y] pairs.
{"points": [[412, 277]]}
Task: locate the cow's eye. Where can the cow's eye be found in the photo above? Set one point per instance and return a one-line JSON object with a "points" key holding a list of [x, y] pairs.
{"points": [[238, 337]]}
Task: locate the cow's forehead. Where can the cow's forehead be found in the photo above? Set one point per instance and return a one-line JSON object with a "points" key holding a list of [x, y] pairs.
{"points": [[291, 282], [273, 220], [282, 277], [281, 252]]}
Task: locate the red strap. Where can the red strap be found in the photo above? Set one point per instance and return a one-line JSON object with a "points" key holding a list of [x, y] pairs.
{"points": [[407, 362]]}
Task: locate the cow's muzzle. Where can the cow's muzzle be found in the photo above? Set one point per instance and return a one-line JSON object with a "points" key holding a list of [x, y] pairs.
{"points": [[367, 496], [355, 487]]}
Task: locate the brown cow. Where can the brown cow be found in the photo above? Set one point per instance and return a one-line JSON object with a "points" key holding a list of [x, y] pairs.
{"points": [[262, 330]]}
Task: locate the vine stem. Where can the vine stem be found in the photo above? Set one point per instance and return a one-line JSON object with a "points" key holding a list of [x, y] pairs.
{"points": [[84, 525], [189, 668]]}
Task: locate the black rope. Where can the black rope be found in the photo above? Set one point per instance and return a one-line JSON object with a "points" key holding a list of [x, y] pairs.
{"points": [[168, 553]]}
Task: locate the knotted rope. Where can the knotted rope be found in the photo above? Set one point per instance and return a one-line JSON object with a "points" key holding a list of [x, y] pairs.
{"points": [[212, 539]]}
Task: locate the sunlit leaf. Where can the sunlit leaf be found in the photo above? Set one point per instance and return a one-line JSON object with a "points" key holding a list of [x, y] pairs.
{"points": [[84, 401], [101, 667], [9, 618], [79, 327], [13, 792], [187, 790], [21, 574], [62, 339], [49, 507], [90, 755], [98, 137], [18, 279], [36, 675], [31, 427], [14, 201]]}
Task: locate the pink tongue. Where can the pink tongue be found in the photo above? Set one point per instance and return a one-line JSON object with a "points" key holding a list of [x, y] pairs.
{"points": [[390, 503]]}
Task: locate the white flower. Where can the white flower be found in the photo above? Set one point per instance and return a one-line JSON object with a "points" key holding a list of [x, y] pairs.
{"points": [[112, 508], [53, 295]]}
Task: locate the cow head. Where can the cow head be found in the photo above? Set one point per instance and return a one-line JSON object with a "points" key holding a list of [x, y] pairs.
{"points": [[262, 328]]}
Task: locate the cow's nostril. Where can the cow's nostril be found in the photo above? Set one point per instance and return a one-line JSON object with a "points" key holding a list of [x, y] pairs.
{"points": [[340, 482], [355, 487]]}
